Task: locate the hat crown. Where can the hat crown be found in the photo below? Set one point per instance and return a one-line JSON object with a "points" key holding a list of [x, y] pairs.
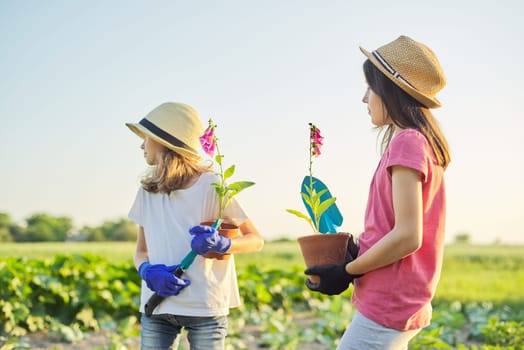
{"points": [[416, 63], [175, 125], [412, 66], [178, 120]]}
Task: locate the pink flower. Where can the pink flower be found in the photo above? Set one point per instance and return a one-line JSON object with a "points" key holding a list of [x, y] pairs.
{"points": [[208, 141], [316, 139]]}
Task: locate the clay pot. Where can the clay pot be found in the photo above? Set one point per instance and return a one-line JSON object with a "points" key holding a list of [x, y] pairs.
{"points": [[323, 249], [226, 230]]}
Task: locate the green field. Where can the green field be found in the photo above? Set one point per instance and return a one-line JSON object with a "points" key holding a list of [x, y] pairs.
{"points": [[479, 303], [470, 272]]}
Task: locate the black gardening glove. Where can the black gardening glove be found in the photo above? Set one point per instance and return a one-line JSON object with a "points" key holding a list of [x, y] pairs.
{"points": [[333, 278]]}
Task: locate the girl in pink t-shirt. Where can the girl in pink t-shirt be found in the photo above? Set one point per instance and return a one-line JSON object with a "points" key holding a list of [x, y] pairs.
{"points": [[398, 266]]}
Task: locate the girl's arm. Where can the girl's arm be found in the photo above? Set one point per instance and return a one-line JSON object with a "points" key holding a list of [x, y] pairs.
{"points": [[250, 241], [141, 248], [406, 236]]}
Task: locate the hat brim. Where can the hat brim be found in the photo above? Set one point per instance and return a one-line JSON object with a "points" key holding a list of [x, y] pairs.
{"points": [[142, 132], [430, 102]]}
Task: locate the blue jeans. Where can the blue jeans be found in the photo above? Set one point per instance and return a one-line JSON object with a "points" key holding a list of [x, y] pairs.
{"points": [[203, 333]]}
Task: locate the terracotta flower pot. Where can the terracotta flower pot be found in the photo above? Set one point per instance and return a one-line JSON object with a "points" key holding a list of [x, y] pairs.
{"points": [[226, 230], [323, 249]]}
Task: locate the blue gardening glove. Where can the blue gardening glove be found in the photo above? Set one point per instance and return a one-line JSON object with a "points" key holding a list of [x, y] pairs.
{"points": [[160, 279], [207, 239]]}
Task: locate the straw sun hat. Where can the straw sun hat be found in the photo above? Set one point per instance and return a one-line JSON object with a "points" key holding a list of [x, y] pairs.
{"points": [[412, 66], [175, 125]]}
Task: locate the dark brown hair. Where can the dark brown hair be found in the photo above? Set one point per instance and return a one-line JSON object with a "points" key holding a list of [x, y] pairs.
{"points": [[406, 113]]}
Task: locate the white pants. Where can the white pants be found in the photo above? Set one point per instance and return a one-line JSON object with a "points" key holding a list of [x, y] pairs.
{"points": [[362, 333]]}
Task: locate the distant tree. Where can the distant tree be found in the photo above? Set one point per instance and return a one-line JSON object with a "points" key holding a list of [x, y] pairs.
{"points": [[5, 223], [119, 230], [5, 235], [43, 227], [91, 234], [463, 238], [9, 230], [5, 219]]}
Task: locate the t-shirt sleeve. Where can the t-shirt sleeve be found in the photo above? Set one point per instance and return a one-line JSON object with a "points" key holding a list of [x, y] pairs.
{"points": [[409, 149], [135, 213]]}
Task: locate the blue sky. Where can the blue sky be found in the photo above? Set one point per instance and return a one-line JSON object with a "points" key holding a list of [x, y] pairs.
{"points": [[73, 72]]}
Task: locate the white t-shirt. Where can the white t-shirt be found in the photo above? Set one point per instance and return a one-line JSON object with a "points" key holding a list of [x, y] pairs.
{"points": [[166, 220]]}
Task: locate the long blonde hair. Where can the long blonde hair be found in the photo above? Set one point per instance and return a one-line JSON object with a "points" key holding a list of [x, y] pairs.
{"points": [[172, 172]]}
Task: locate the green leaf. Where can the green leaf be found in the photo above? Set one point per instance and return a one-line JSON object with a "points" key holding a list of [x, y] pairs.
{"points": [[239, 186], [301, 215], [325, 205], [229, 172], [322, 192], [220, 191], [308, 190], [218, 159], [306, 199]]}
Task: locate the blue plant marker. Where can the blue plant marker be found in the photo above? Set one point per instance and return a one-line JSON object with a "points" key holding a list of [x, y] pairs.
{"points": [[331, 219]]}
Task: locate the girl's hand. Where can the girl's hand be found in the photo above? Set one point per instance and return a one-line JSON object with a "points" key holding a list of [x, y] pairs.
{"points": [[160, 278], [333, 279], [207, 240]]}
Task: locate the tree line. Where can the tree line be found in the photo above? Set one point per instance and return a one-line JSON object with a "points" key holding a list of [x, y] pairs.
{"points": [[42, 227]]}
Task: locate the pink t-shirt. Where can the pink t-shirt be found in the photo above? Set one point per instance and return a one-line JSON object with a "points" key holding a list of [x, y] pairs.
{"points": [[399, 295]]}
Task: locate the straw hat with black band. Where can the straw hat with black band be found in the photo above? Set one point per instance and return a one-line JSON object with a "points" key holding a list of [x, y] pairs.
{"points": [[175, 125], [412, 66]]}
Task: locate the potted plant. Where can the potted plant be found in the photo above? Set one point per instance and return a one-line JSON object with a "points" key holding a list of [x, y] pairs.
{"points": [[325, 246], [225, 191]]}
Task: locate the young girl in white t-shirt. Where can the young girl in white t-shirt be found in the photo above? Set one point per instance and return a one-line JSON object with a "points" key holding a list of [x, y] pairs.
{"points": [[175, 195]]}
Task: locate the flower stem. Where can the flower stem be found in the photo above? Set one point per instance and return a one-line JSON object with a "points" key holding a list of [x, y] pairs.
{"points": [[221, 196], [312, 195]]}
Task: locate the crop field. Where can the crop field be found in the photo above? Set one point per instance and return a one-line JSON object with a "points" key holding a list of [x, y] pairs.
{"points": [[67, 293]]}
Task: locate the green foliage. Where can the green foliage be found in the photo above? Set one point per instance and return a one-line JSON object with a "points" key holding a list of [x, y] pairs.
{"points": [[68, 295], [119, 230], [71, 294], [503, 333], [44, 227], [9, 231], [462, 238], [490, 273], [113, 252], [479, 323]]}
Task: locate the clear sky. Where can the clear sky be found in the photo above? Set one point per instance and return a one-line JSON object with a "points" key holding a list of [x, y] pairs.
{"points": [[73, 72]]}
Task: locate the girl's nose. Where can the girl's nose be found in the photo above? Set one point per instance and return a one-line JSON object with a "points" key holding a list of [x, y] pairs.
{"points": [[365, 97], [142, 145]]}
